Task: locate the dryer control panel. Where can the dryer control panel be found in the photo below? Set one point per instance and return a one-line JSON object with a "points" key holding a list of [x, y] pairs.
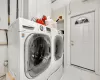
{"points": [[48, 29]]}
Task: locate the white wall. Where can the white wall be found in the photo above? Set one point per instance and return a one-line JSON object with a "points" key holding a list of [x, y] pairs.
{"points": [[58, 12], [43, 7], [36, 8], [30, 8], [3, 14], [59, 4]]}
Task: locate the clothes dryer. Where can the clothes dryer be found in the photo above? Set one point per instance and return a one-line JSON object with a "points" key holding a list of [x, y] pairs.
{"points": [[57, 54]]}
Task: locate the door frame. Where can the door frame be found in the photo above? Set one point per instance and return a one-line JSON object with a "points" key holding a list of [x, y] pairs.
{"points": [[97, 32]]}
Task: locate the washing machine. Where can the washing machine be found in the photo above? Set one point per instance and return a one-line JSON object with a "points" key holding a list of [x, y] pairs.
{"points": [[29, 51], [57, 53]]}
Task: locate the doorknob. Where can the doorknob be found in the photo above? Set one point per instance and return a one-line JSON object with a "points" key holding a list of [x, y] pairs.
{"points": [[72, 44]]}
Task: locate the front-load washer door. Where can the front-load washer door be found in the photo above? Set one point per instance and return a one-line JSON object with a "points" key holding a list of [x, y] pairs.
{"points": [[37, 54]]}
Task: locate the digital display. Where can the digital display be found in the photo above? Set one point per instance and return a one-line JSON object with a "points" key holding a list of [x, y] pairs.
{"points": [[48, 29]]}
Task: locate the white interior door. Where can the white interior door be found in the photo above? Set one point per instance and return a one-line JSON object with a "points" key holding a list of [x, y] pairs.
{"points": [[82, 41]]}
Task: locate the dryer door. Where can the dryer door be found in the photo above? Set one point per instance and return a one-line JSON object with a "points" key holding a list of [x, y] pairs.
{"points": [[37, 54], [59, 47]]}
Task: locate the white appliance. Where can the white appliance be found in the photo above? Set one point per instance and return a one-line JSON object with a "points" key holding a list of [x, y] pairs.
{"points": [[57, 50], [29, 51]]}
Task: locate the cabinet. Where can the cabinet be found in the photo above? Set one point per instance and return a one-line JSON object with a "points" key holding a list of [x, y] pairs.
{"points": [[29, 9], [36, 8], [3, 14]]}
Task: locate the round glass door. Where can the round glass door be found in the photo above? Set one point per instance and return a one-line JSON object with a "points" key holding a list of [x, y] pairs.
{"points": [[37, 54], [59, 47]]}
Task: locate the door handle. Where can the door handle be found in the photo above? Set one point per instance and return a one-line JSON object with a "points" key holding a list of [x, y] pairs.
{"points": [[72, 44]]}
